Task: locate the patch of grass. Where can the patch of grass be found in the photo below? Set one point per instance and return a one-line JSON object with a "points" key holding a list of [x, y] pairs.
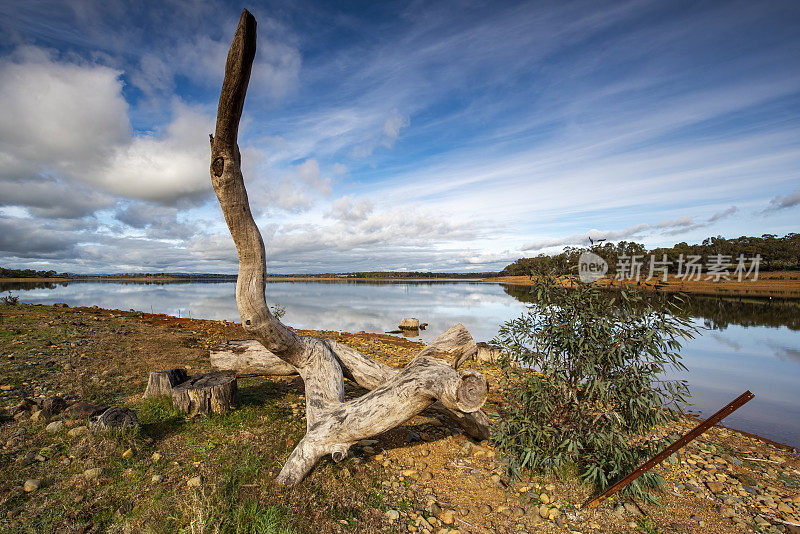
{"points": [[158, 417], [227, 508]]}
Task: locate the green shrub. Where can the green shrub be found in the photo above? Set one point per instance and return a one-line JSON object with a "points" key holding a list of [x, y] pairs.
{"points": [[583, 381]]}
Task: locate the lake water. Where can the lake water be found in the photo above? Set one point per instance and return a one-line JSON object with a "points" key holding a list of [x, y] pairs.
{"points": [[742, 346]]}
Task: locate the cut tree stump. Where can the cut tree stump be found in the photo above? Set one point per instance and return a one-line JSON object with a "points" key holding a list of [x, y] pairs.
{"points": [[115, 417], [160, 383], [206, 394], [487, 353], [332, 425]]}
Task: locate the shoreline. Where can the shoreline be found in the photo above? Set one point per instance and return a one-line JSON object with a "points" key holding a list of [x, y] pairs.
{"points": [[381, 337], [782, 285], [231, 278]]}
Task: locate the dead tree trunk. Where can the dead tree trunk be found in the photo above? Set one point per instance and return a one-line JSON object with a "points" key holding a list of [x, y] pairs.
{"points": [[332, 424]]}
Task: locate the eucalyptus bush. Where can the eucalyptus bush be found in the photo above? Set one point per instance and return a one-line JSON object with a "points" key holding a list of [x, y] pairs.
{"points": [[583, 381]]}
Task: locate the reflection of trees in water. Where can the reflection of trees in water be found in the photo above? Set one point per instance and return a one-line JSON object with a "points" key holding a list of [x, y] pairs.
{"points": [[20, 286], [717, 313]]}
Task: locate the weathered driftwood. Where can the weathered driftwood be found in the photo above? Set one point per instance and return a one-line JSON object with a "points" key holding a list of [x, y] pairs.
{"points": [[249, 358], [332, 424], [160, 383], [207, 393]]}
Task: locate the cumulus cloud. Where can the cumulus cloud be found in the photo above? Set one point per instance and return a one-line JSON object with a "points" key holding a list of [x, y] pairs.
{"points": [[58, 116], [163, 168], [50, 198], [66, 144], [22, 237], [784, 202]]}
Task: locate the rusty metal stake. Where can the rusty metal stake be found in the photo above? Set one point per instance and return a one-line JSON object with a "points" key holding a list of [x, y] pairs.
{"points": [[734, 405]]}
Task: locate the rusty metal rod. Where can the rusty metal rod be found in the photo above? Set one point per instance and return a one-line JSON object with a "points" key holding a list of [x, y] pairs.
{"points": [[731, 407]]}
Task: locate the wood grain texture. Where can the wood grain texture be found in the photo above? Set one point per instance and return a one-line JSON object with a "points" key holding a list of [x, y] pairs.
{"points": [[332, 425], [205, 394]]}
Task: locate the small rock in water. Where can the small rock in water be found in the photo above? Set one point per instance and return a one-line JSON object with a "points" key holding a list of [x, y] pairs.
{"points": [[32, 484]]}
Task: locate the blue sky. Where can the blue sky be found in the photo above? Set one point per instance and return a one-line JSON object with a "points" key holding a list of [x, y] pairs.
{"points": [[445, 136]]}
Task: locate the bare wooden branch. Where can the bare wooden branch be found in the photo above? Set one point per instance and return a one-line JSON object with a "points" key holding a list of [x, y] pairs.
{"points": [[250, 358], [332, 425]]}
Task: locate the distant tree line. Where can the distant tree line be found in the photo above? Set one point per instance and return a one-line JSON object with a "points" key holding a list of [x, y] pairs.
{"points": [[404, 275], [777, 253], [29, 273]]}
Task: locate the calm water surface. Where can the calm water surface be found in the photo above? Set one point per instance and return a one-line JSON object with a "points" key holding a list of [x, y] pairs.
{"points": [[753, 346]]}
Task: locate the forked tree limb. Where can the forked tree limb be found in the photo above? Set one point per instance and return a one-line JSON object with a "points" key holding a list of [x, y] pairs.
{"points": [[332, 424], [251, 358]]}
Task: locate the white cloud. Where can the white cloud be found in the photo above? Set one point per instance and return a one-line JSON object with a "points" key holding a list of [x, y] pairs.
{"points": [[296, 191], [57, 116], [66, 124], [783, 202], [723, 214], [164, 167], [392, 127], [347, 208]]}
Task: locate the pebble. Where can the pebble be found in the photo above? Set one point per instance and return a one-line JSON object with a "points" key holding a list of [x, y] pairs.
{"points": [[545, 498], [195, 482], [392, 515], [54, 427], [157, 479], [447, 517], [78, 431], [92, 473], [32, 484]]}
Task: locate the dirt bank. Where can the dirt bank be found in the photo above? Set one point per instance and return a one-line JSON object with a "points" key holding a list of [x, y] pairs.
{"points": [[778, 284]]}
